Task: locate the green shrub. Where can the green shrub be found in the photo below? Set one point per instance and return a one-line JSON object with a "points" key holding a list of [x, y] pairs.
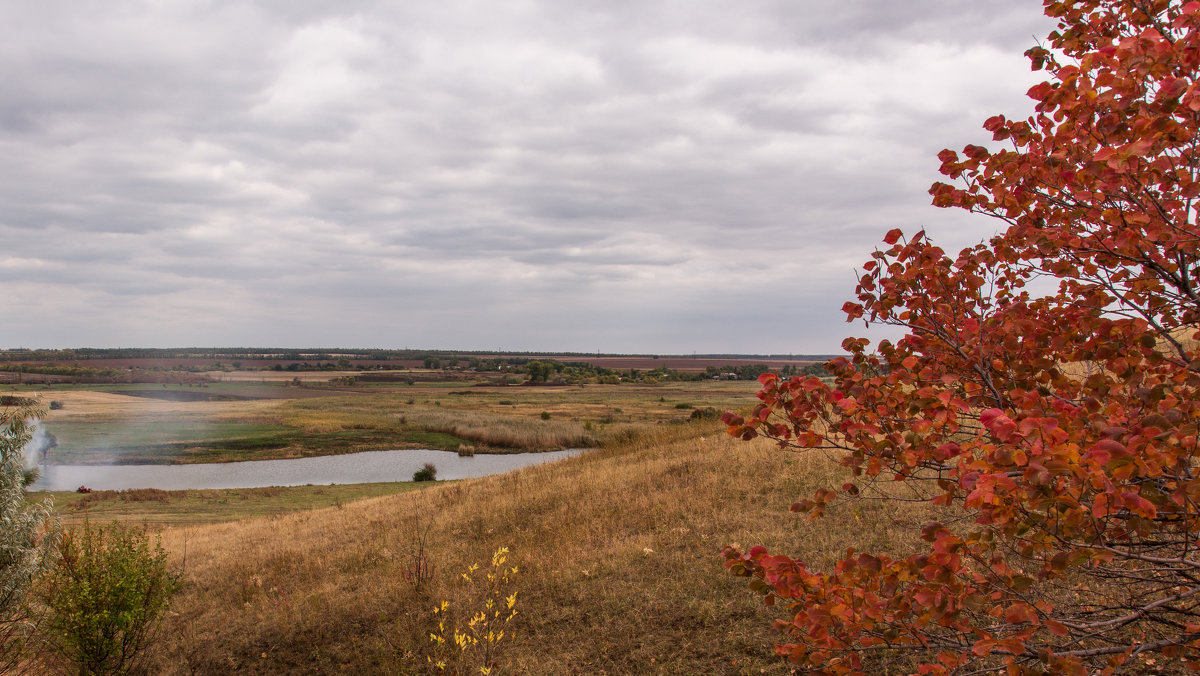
{"points": [[27, 534], [706, 413], [105, 593], [683, 405], [545, 415], [427, 473]]}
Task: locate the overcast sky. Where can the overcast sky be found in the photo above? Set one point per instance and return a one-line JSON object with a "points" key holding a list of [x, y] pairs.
{"points": [[662, 176]]}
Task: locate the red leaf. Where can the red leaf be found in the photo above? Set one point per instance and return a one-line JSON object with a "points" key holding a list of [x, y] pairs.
{"points": [[1056, 628]]}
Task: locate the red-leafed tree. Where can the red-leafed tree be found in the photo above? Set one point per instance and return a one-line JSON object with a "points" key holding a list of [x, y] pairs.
{"points": [[1056, 423]]}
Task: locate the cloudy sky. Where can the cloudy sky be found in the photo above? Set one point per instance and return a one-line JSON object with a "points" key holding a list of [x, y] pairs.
{"points": [[662, 176]]}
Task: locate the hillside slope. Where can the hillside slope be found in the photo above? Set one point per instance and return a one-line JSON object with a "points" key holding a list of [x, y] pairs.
{"points": [[618, 553]]}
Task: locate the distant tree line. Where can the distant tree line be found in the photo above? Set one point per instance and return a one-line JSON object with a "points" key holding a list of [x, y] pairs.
{"points": [[53, 370], [552, 371], [534, 369], [331, 354]]}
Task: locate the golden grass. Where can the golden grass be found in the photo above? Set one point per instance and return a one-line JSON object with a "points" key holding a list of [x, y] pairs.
{"points": [[619, 552], [323, 422], [505, 431], [507, 418]]}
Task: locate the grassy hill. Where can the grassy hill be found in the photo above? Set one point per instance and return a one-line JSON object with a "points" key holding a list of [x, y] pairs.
{"points": [[618, 554]]}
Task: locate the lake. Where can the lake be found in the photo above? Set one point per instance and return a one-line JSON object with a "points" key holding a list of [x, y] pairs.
{"points": [[350, 468]]}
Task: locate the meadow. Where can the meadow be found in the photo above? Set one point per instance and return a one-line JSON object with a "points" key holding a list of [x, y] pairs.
{"points": [[617, 550], [249, 420], [618, 553]]}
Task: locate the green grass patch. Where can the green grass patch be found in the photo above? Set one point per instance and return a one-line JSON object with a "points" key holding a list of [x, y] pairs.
{"points": [[168, 440], [165, 508], [159, 439]]}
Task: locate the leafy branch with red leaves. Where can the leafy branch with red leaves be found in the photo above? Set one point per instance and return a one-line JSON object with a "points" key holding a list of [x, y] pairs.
{"points": [[1063, 424]]}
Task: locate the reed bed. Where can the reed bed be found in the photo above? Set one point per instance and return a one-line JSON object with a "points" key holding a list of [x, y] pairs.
{"points": [[504, 431]]}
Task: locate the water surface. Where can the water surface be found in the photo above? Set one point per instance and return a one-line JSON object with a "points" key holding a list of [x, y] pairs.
{"points": [[351, 468]]}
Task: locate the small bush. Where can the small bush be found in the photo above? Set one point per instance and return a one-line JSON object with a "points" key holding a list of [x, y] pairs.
{"points": [[427, 473], [706, 413], [466, 450], [105, 593], [545, 415], [417, 569], [55, 405], [682, 405]]}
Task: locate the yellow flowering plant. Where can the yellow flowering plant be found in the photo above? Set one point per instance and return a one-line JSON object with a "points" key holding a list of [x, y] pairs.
{"points": [[470, 639]]}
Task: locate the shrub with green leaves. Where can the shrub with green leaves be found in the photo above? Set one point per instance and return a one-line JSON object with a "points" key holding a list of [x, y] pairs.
{"points": [[26, 532], [105, 594], [427, 473]]}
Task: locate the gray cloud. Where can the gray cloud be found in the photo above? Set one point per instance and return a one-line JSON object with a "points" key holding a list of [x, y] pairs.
{"points": [[663, 177]]}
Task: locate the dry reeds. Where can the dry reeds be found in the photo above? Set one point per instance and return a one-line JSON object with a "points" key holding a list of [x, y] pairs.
{"points": [[504, 431]]}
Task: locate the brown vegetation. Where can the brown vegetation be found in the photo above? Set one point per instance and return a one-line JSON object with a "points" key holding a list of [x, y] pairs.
{"points": [[618, 552], [505, 432]]}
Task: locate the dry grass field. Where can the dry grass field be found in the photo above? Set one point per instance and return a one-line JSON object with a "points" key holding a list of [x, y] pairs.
{"points": [[618, 550], [618, 556]]}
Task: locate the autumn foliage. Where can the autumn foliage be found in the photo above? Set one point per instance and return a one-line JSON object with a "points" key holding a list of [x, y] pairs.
{"points": [[1046, 394]]}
